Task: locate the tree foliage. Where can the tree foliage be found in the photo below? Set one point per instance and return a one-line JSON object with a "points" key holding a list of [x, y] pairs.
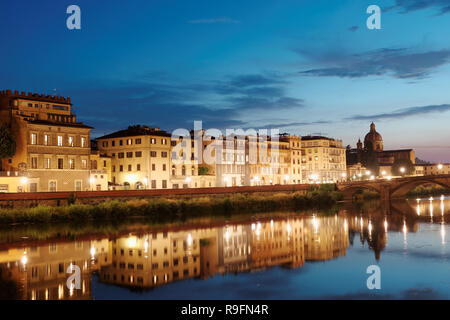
{"points": [[7, 143]]}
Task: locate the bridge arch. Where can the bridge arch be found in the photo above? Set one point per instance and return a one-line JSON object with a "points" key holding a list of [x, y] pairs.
{"points": [[350, 191], [403, 188]]}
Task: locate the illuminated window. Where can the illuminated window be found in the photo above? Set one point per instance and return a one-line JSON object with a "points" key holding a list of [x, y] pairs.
{"points": [[60, 141], [33, 138], [71, 141]]}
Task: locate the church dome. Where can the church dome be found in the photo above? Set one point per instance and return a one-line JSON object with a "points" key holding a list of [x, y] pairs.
{"points": [[373, 135], [374, 138]]}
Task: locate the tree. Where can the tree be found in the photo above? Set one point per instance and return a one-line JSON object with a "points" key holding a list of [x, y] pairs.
{"points": [[402, 163], [203, 171], [7, 143]]}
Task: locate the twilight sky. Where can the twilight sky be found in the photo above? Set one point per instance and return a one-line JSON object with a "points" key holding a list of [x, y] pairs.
{"points": [[306, 67]]}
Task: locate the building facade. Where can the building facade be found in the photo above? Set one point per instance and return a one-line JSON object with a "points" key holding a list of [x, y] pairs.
{"points": [[324, 160], [52, 149]]}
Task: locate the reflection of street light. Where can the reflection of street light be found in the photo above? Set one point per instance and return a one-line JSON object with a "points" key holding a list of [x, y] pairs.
{"points": [[286, 178]]}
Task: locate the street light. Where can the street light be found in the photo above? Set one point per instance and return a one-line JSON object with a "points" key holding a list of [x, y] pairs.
{"points": [[440, 166], [91, 181], [24, 181], [146, 182], [402, 170]]}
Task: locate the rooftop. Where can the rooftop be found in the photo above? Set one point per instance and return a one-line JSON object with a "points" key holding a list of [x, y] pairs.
{"points": [[138, 130], [35, 96]]}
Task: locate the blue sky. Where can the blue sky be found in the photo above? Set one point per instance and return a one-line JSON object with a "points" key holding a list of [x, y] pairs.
{"points": [[305, 67]]}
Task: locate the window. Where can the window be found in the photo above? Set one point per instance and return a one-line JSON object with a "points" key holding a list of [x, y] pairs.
{"points": [[60, 163], [113, 169], [47, 163], [137, 141], [113, 143], [164, 184], [47, 139], [121, 168], [138, 167], [153, 167], [164, 141], [83, 142], [34, 163], [63, 108], [60, 141], [153, 141], [120, 142], [138, 154], [120, 155], [71, 141], [153, 184], [129, 142], [164, 167], [71, 164], [153, 154], [77, 185], [164, 154], [52, 186], [33, 138], [130, 167], [129, 154], [83, 163]]}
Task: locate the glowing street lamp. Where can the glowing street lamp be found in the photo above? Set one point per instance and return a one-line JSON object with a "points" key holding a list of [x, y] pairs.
{"points": [[91, 181], [402, 170], [440, 166], [146, 182], [24, 182]]}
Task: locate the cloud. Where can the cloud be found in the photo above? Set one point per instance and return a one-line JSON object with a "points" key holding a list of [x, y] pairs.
{"points": [[403, 113], [170, 104], [292, 124], [214, 20], [399, 63], [407, 6], [353, 28]]}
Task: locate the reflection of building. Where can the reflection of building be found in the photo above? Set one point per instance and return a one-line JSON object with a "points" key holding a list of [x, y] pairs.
{"points": [[52, 148], [234, 248], [41, 271], [153, 259], [150, 259], [325, 238], [277, 243]]}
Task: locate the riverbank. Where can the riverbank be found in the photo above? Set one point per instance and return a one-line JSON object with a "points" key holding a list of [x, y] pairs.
{"points": [[426, 191], [162, 209]]}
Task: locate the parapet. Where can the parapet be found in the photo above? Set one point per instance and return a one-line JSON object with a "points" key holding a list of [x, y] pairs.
{"points": [[34, 96]]}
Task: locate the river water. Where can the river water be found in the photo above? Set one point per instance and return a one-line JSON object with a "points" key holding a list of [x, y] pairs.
{"points": [[286, 255]]}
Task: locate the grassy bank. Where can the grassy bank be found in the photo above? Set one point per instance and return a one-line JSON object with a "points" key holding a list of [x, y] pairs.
{"points": [[160, 209], [424, 191]]}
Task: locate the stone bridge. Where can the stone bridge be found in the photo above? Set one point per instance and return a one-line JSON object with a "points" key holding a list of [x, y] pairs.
{"points": [[394, 188]]}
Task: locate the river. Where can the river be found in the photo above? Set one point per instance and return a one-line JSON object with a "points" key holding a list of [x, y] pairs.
{"points": [[285, 255]]}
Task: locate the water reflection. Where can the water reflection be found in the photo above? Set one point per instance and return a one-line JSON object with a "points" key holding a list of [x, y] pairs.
{"points": [[155, 257]]}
